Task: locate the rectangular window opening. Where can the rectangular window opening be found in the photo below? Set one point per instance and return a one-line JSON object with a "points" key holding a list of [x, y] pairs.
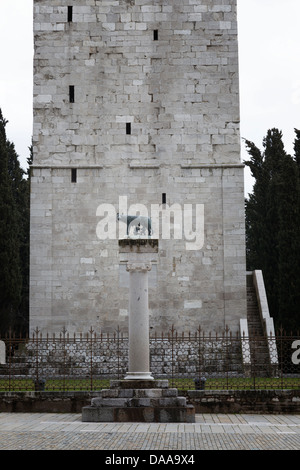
{"points": [[72, 94], [70, 14], [155, 35], [73, 175], [128, 128], [164, 198]]}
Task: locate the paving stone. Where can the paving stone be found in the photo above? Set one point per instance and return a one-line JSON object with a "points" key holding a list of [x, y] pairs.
{"points": [[50, 431]]}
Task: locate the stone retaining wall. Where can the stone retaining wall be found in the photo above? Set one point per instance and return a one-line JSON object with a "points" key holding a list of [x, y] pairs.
{"points": [[245, 401], [108, 357], [204, 401], [43, 402]]}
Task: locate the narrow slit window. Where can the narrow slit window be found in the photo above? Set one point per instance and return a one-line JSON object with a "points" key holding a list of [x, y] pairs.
{"points": [[155, 35], [70, 14], [72, 93], [73, 175], [128, 128], [164, 198]]}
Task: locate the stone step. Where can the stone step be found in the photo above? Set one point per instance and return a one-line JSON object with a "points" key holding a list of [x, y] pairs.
{"points": [[258, 347], [139, 393], [146, 414], [138, 402]]}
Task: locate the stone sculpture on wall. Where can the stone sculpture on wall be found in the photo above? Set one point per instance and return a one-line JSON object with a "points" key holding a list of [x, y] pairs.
{"points": [[136, 224]]}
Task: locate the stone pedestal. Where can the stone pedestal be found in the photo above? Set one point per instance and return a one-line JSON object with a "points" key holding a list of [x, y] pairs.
{"points": [[139, 401], [138, 398]]}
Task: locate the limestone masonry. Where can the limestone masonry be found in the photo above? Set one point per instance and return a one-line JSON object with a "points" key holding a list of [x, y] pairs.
{"points": [[136, 102]]}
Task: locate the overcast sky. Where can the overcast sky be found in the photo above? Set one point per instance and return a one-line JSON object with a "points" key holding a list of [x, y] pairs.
{"points": [[269, 38]]}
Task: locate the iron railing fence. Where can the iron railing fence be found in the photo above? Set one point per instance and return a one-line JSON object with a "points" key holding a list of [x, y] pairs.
{"points": [[87, 362]]}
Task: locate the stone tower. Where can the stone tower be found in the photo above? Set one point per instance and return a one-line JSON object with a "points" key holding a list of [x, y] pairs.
{"points": [[136, 102]]}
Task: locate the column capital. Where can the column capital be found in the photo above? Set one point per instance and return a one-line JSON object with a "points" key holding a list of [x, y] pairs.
{"points": [[138, 267]]}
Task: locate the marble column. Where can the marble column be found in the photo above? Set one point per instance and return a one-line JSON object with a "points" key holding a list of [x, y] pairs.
{"points": [[138, 328], [138, 254]]}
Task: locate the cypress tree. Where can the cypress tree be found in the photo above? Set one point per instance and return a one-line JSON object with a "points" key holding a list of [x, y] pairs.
{"points": [[24, 242], [272, 225], [10, 271], [297, 148]]}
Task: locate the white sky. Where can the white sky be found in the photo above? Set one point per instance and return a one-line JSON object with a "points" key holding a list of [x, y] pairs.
{"points": [[269, 38]]}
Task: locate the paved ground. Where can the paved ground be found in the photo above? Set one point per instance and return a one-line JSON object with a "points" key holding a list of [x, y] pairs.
{"points": [[47, 431]]}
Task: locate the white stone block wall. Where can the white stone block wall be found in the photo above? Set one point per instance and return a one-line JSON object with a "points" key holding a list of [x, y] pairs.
{"points": [[180, 94]]}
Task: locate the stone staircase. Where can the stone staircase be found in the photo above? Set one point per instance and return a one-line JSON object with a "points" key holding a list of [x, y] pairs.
{"points": [[260, 361]]}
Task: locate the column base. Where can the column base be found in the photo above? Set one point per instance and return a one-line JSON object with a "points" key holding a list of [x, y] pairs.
{"points": [[139, 376]]}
